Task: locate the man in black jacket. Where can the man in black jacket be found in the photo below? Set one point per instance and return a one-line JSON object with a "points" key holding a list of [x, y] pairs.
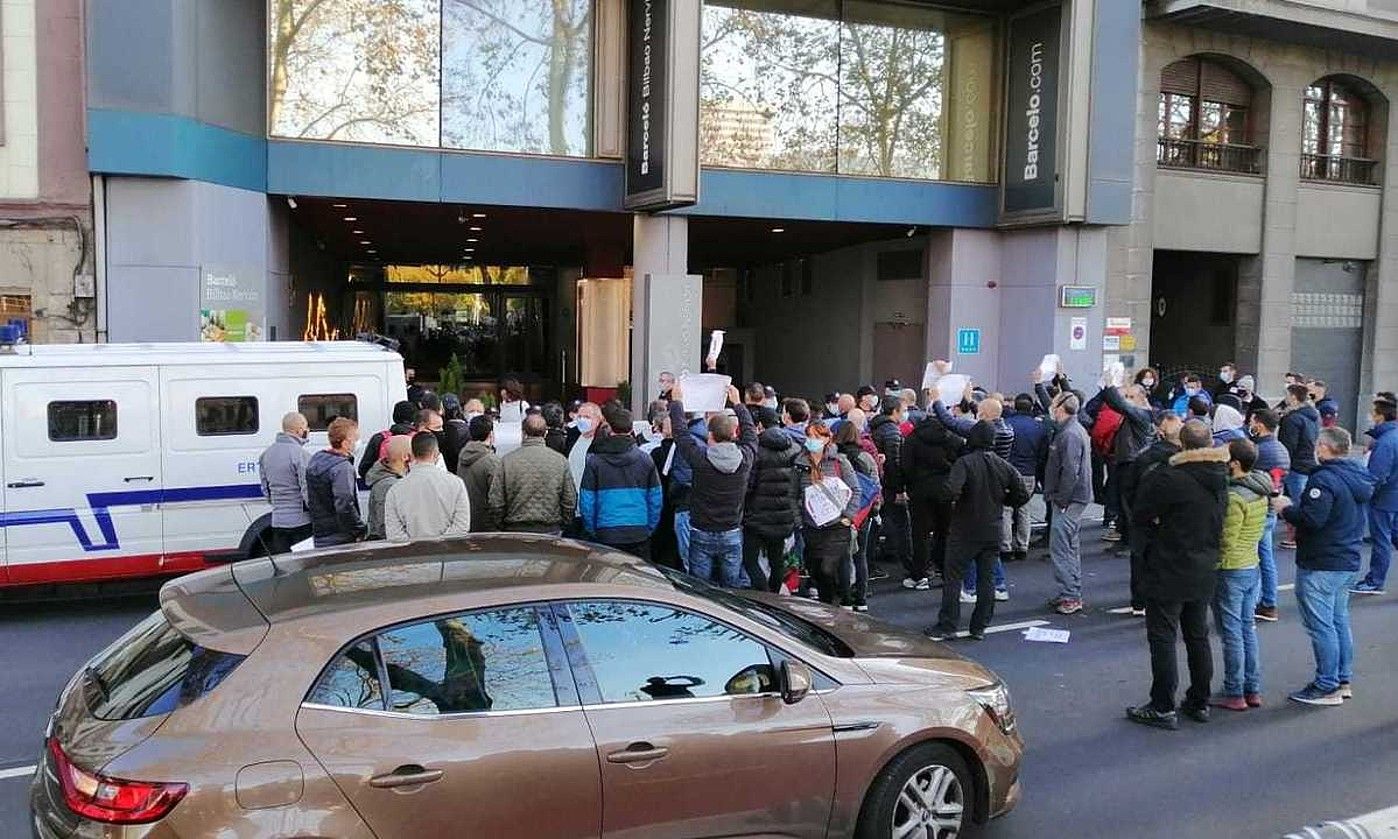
{"points": [[1135, 435], [1166, 446], [773, 509], [720, 483], [926, 459], [884, 429], [1182, 506], [981, 485]]}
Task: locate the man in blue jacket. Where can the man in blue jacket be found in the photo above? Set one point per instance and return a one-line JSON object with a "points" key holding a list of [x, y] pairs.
{"points": [[1027, 455], [1383, 510], [1329, 521], [621, 498]]}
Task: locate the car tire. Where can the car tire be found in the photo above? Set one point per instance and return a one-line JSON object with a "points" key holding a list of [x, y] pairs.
{"points": [[929, 783]]}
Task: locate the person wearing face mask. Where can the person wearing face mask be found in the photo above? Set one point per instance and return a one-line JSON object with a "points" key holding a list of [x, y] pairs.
{"points": [[856, 561], [826, 539], [867, 399], [1273, 459], [283, 470], [1383, 509], [769, 399], [1227, 378], [1298, 432], [1190, 388], [386, 472], [1148, 378], [1247, 395], [580, 438], [667, 381], [332, 494], [832, 406]]}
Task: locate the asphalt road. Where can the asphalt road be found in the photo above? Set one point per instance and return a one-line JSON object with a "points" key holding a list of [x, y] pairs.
{"points": [[1088, 772]]}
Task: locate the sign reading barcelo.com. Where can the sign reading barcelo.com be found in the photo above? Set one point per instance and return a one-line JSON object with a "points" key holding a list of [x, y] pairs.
{"points": [[1030, 185]]}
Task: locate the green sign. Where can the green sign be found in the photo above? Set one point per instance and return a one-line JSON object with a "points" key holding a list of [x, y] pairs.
{"points": [[1077, 296]]}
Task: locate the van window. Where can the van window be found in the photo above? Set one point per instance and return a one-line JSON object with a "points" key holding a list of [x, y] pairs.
{"points": [[320, 408], [88, 419], [217, 416], [153, 670]]}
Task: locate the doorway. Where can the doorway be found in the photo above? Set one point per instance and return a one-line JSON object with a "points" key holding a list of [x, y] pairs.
{"points": [[1193, 319]]}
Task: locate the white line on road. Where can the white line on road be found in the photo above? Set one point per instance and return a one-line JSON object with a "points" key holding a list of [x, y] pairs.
{"points": [[17, 772], [1009, 627], [1126, 610]]}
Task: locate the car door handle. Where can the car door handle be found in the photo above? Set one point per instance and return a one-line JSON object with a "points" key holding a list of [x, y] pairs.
{"points": [[410, 775], [24, 484], [134, 478], [638, 753]]}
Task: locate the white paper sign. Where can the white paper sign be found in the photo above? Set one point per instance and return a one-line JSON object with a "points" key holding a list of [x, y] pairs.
{"points": [[952, 387], [705, 392], [1048, 368], [931, 374], [1051, 636], [715, 346], [825, 502], [1113, 374]]}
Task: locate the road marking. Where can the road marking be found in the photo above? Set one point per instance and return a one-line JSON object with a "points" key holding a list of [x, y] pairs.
{"points": [[1009, 627], [1126, 610], [17, 772]]}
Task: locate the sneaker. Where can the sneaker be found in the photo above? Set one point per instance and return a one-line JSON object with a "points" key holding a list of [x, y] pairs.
{"points": [[848, 607], [976, 636], [1287, 544], [1253, 700], [1266, 613], [1366, 588], [1138, 611], [877, 573], [920, 584], [1312, 695], [1111, 534], [937, 633], [968, 596], [1068, 606], [861, 606], [1200, 714], [1230, 703], [1002, 595], [1147, 715], [1346, 692]]}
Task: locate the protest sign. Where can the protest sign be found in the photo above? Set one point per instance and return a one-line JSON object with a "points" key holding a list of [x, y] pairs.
{"points": [[705, 392]]}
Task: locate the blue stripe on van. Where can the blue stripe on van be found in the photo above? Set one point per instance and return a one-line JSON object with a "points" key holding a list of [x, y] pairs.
{"points": [[100, 505]]}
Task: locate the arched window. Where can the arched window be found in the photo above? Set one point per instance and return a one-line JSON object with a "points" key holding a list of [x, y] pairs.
{"points": [[1205, 120], [1335, 133]]}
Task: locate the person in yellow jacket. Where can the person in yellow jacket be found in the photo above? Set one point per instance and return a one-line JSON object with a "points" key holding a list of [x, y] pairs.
{"points": [[1240, 578]]}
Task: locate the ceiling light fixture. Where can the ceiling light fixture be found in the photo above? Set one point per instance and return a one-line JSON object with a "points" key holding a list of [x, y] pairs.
{"points": [[778, 229], [359, 232], [473, 240], [339, 206], [478, 215], [351, 218], [365, 242], [291, 202]]}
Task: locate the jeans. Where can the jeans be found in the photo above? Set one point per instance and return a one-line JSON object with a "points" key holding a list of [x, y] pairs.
{"points": [[721, 550], [984, 558], [856, 563], [1065, 551], [1267, 562], [1014, 530], [753, 545], [997, 573], [1383, 527], [1293, 485], [1164, 620], [1235, 599], [682, 532], [1323, 598]]}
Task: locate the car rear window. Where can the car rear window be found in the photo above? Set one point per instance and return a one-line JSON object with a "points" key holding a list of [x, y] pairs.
{"points": [[152, 670]]}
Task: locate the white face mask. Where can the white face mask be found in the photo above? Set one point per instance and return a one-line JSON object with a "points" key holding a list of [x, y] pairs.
{"points": [[832, 407], [1225, 376], [1148, 382]]}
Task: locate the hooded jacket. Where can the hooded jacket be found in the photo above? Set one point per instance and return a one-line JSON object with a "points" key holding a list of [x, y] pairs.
{"points": [[1383, 465], [1331, 519], [477, 466], [1299, 430], [773, 508], [927, 457], [1228, 425], [381, 479], [283, 470], [332, 498], [889, 441], [981, 485], [1245, 520], [718, 472], [621, 497], [533, 490], [1181, 508]]}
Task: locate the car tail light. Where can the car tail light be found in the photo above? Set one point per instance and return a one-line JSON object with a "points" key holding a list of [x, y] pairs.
{"points": [[112, 800]]}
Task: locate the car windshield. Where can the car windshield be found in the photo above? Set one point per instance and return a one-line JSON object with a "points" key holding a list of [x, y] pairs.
{"points": [[779, 619]]}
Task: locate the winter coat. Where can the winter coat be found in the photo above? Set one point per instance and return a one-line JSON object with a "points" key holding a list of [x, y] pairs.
{"points": [[1246, 519], [621, 498], [1228, 425], [283, 470], [1299, 430], [681, 473], [832, 464], [718, 473], [980, 486], [381, 479], [773, 508], [456, 434], [1331, 519], [477, 468], [532, 490], [889, 441], [927, 456], [1383, 465], [557, 439], [1180, 405], [371, 448], [428, 503], [1272, 457], [1068, 475], [1181, 509], [332, 498], [1030, 443], [1137, 429]]}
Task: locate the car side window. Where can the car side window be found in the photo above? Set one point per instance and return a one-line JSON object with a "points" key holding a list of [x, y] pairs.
{"points": [[480, 661], [643, 652], [351, 680]]}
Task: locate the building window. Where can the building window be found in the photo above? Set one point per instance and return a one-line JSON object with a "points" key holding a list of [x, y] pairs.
{"points": [[320, 409], [89, 419], [219, 416], [855, 87], [1335, 134], [1204, 118]]}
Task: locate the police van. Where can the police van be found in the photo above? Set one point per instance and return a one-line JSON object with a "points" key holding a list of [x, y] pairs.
{"points": [[134, 460]]}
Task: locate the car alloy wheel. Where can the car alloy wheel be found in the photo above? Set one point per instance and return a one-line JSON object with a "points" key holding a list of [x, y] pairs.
{"points": [[931, 805]]}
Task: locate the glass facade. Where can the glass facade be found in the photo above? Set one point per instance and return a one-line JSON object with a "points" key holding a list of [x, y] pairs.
{"points": [[492, 75], [854, 87]]}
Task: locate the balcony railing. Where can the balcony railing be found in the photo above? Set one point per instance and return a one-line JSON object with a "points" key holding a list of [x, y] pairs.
{"points": [[1331, 167], [1215, 157]]}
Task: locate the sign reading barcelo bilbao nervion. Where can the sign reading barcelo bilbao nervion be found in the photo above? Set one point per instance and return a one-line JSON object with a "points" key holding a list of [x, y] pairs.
{"points": [[1030, 185], [662, 104]]}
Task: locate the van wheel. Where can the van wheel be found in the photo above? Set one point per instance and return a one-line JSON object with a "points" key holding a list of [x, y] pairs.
{"points": [[927, 793]]}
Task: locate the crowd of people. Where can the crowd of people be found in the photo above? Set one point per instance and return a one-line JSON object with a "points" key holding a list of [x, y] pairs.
{"points": [[1198, 485]]}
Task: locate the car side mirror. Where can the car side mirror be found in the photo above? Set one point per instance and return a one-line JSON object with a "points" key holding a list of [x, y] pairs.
{"points": [[796, 681]]}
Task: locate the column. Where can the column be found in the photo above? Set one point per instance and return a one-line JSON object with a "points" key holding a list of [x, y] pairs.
{"points": [[1279, 237], [1382, 344], [666, 304]]}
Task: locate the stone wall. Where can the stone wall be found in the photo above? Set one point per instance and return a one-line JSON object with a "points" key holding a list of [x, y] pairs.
{"points": [[39, 260]]}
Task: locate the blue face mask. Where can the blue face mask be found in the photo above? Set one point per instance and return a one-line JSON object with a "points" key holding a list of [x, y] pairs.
{"points": [[815, 444], [584, 425]]}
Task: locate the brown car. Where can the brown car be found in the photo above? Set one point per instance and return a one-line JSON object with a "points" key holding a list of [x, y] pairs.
{"points": [[510, 686]]}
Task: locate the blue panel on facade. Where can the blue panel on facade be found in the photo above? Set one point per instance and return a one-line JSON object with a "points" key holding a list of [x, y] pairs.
{"points": [[730, 192], [130, 143], [531, 182], [1116, 40], [348, 171]]}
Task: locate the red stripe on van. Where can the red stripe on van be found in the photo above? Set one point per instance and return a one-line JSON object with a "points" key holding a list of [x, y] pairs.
{"points": [[109, 568]]}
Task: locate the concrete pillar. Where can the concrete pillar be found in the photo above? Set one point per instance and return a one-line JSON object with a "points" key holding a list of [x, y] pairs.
{"points": [[1279, 238], [666, 304], [1382, 347]]}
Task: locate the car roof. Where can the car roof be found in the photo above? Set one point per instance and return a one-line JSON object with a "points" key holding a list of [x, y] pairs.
{"points": [[339, 580]]}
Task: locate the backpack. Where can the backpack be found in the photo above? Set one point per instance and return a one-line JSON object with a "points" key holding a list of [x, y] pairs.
{"points": [[1104, 430], [869, 495]]}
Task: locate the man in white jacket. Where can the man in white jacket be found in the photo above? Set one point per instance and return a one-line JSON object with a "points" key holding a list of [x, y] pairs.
{"points": [[430, 502]]}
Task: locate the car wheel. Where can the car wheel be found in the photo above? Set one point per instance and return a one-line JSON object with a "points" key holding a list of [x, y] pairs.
{"points": [[925, 793]]}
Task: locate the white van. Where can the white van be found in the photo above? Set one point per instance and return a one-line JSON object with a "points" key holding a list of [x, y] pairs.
{"points": [[133, 460]]}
